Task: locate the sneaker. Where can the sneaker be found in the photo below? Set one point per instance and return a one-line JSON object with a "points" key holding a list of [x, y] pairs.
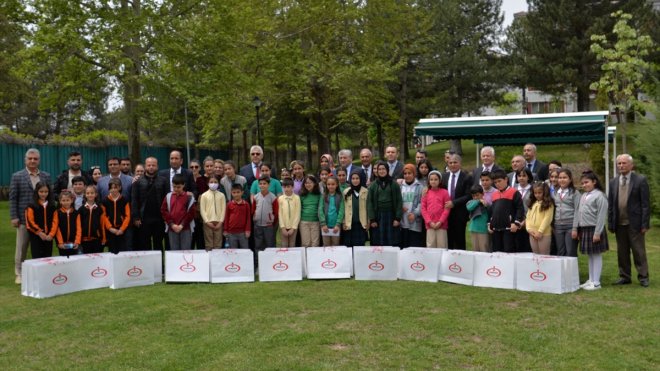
{"points": [[592, 287], [586, 283], [18, 280]]}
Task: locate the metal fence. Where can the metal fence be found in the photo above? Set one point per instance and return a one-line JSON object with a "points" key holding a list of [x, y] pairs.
{"points": [[54, 157]]}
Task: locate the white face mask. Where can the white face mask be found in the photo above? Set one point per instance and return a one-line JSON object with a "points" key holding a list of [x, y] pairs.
{"points": [[213, 186]]}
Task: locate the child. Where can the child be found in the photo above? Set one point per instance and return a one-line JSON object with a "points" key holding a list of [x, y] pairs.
{"points": [[592, 214], [324, 173], [310, 198], [506, 213], [436, 215], [298, 175], [487, 186], [264, 211], [274, 187], [117, 217], [567, 199], [212, 205], [341, 177], [229, 179], [331, 212], [524, 178], [91, 223], [384, 207], [178, 211], [553, 180], [356, 221], [40, 221], [411, 220], [69, 231], [423, 169], [288, 214], [285, 173], [78, 185], [541, 210], [238, 221], [478, 208]]}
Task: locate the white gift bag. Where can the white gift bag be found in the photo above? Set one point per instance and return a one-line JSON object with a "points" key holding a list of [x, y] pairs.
{"points": [[544, 273], [96, 270], [331, 262], [376, 262], [457, 266], [495, 270], [232, 265], [187, 266], [153, 256], [303, 256], [48, 277], [420, 264], [131, 269], [280, 265]]}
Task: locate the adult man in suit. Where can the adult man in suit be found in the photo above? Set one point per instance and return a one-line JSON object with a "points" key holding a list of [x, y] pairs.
{"points": [[396, 167], [517, 163], [252, 171], [21, 190], [487, 164], [458, 182], [345, 157], [176, 160], [629, 217], [538, 168], [367, 167], [74, 164]]}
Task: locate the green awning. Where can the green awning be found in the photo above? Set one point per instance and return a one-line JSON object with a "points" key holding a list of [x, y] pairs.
{"points": [[567, 139], [524, 128]]}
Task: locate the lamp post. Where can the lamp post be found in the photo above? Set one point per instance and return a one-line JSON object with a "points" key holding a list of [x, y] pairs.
{"points": [[256, 102]]}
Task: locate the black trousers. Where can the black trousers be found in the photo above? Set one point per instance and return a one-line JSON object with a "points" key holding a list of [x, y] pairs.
{"points": [[503, 241], [151, 235], [39, 247], [91, 247]]}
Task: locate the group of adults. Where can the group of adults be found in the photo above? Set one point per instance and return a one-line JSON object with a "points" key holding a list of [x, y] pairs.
{"points": [[146, 185]]}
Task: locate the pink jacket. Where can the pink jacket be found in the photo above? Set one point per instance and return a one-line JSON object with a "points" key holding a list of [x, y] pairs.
{"points": [[433, 207]]}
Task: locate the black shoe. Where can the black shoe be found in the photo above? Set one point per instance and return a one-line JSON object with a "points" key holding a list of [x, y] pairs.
{"points": [[623, 281], [644, 282]]}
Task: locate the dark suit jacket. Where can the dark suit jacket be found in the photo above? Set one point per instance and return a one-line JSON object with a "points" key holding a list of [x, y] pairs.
{"points": [[398, 171], [21, 192], [62, 181], [461, 194], [248, 174], [639, 204], [190, 185], [540, 170], [476, 173]]}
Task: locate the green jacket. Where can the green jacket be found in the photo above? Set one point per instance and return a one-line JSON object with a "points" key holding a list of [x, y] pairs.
{"points": [[387, 199], [339, 205]]}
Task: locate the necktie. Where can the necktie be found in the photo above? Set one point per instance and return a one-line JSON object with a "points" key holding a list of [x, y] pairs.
{"points": [[624, 181], [529, 166], [257, 173], [452, 188]]}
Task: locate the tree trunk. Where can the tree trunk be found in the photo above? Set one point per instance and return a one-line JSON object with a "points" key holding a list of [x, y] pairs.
{"points": [[246, 150], [379, 139], [583, 99], [403, 114], [308, 163], [294, 148], [230, 155]]}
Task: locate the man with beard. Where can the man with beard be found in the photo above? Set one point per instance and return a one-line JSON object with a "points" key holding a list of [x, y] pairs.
{"points": [[147, 197], [63, 181]]}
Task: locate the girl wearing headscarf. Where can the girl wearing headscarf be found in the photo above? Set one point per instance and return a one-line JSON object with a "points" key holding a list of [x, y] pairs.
{"points": [[384, 208], [356, 221], [411, 221]]}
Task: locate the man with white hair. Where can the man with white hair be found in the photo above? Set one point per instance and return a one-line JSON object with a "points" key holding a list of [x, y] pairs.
{"points": [[252, 171], [367, 167], [487, 163], [345, 157], [629, 217], [21, 191]]}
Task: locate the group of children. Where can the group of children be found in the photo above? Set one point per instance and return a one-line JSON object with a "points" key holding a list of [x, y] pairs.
{"points": [[333, 211]]}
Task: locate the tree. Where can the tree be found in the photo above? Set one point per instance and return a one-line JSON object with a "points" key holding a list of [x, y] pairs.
{"points": [[624, 68], [551, 42]]}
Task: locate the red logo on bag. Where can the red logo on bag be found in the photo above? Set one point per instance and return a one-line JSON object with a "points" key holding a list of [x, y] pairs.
{"points": [[455, 268], [493, 272], [538, 276], [134, 272], [376, 266], [60, 279], [232, 268], [328, 264], [280, 266], [99, 272], [187, 268], [417, 266]]}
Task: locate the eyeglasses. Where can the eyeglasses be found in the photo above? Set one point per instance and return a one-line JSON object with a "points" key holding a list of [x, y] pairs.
{"points": [[255, 154]]}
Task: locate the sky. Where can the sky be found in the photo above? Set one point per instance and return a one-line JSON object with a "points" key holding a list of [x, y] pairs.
{"points": [[509, 7]]}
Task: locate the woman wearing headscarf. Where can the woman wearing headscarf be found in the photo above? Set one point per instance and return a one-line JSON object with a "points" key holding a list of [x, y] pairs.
{"points": [[356, 221], [384, 208]]}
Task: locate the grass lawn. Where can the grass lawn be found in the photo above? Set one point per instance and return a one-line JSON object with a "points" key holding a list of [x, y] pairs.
{"points": [[330, 325]]}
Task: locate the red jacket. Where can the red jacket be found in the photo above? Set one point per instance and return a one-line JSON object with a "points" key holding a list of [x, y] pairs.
{"points": [[433, 207], [238, 217], [180, 211]]}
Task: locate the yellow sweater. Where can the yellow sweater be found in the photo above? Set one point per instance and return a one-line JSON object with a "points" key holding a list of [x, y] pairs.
{"points": [[289, 211], [212, 206], [538, 220]]}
